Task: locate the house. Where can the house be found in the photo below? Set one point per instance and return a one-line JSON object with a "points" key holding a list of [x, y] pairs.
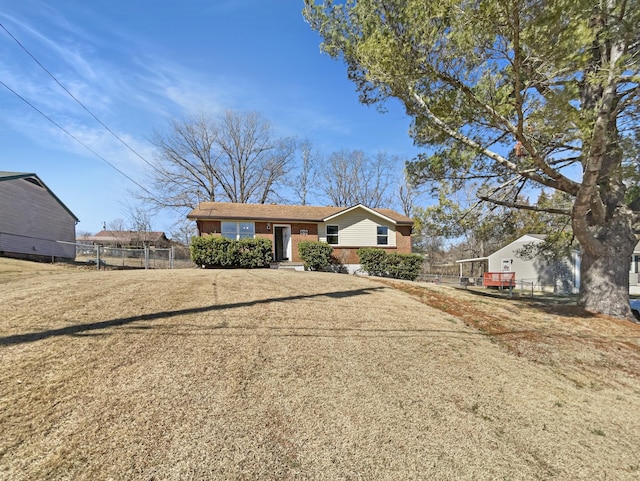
{"points": [[34, 223], [127, 238], [345, 228], [634, 271], [537, 273]]}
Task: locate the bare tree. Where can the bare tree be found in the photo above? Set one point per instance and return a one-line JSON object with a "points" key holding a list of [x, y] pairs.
{"points": [[118, 228], [236, 158], [303, 181], [183, 231], [140, 223], [352, 178], [407, 194]]}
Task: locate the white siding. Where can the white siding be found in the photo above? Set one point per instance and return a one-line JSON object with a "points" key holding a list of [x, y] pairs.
{"points": [[31, 220], [534, 270], [524, 269], [358, 228]]}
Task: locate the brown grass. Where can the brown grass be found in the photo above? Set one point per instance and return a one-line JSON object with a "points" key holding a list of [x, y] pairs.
{"points": [[265, 374]]}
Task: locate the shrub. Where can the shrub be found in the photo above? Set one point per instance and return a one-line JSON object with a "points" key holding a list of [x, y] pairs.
{"points": [[315, 255], [404, 266], [373, 261], [216, 251], [377, 262]]}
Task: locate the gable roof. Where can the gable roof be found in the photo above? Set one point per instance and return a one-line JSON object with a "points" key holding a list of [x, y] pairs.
{"points": [[125, 236], [291, 213], [34, 179]]}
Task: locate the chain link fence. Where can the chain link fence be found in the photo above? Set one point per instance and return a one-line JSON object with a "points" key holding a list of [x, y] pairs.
{"points": [[50, 250], [147, 257]]}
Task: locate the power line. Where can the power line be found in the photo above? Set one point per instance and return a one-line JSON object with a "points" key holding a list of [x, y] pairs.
{"points": [[71, 135], [77, 100]]}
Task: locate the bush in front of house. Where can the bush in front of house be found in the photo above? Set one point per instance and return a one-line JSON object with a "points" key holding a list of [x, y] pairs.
{"points": [[377, 262], [215, 251], [373, 261], [315, 255]]}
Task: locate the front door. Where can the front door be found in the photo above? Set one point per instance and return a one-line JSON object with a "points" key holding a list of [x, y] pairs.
{"points": [[281, 236]]}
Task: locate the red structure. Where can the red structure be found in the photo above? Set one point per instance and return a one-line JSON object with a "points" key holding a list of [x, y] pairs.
{"points": [[499, 279]]}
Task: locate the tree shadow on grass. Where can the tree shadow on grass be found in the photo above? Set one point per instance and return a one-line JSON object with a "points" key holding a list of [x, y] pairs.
{"points": [[79, 329]]}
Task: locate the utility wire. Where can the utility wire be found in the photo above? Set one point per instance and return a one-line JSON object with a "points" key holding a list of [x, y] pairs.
{"points": [[71, 135], [78, 101]]}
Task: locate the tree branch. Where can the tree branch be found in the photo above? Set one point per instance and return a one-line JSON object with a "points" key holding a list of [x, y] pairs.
{"points": [[517, 205]]}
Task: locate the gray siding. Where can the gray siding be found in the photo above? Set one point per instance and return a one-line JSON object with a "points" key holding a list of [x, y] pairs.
{"points": [[31, 221], [524, 269], [538, 271]]}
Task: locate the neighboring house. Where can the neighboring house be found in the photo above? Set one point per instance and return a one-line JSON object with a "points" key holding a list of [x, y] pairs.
{"points": [[563, 276], [345, 228], [34, 223], [634, 271], [132, 239]]}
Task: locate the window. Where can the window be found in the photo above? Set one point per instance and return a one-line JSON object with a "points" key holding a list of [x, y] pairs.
{"points": [[246, 230], [238, 230], [332, 234], [383, 235]]}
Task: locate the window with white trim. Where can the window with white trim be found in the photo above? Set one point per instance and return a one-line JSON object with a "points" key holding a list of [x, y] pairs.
{"points": [[238, 230], [332, 234], [382, 235]]}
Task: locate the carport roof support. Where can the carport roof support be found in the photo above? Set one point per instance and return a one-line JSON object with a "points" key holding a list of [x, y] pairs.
{"points": [[473, 259]]}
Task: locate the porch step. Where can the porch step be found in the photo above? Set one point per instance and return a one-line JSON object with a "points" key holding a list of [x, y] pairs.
{"points": [[297, 266]]}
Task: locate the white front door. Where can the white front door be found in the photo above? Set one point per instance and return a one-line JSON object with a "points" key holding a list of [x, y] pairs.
{"points": [[282, 242]]}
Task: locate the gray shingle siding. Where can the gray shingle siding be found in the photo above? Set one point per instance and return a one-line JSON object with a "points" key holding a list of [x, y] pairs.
{"points": [[32, 219]]}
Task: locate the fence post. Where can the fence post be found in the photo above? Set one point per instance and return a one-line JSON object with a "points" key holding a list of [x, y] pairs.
{"points": [[171, 256], [146, 257], [98, 256]]}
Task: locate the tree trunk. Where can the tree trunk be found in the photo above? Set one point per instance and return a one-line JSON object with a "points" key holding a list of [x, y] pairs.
{"points": [[604, 274]]}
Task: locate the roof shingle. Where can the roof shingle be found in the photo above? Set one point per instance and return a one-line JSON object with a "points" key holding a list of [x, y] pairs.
{"points": [[277, 212]]}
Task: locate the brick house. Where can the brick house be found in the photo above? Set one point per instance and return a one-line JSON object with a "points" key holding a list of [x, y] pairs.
{"points": [[346, 229], [127, 238]]}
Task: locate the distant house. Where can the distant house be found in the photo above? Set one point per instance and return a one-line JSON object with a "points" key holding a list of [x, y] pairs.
{"points": [[345, 228], [127, 238], [634, 271], [34, 223], [542, 274]]}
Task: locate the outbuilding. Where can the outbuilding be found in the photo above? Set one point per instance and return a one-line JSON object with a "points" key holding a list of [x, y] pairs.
{"points": [[34, 223], [536, 272]]}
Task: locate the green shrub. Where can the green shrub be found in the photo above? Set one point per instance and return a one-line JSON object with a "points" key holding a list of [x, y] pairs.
{"points": [[373, 261], [377, 262], [216, 251], [315, 255]]}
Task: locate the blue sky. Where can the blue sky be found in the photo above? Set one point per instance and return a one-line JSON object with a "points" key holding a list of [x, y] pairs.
{"points": [[138, 64]]}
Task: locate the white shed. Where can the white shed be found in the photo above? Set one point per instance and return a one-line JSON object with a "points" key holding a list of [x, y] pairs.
{"points": [[563, 276], [34, 223]]}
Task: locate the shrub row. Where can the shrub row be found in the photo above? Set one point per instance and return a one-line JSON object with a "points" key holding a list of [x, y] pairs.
{"points": [[377, 262], [315, 255], [215, 251]]}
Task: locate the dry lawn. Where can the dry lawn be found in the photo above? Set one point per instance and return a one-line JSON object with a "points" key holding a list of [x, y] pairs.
{"points": [[273, 374]]}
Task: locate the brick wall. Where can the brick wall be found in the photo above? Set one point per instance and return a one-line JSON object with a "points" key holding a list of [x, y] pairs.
{"points": [[403, 239], [208, 227], [345, 255], [297, 237]]}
